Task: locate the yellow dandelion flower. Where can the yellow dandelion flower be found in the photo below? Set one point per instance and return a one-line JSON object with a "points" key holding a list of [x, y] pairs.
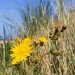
{"points": [[43, 40], [17, 40], [21, 51]]}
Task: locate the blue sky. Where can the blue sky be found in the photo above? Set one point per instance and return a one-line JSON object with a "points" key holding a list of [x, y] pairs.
{"points": [[8, 7]]}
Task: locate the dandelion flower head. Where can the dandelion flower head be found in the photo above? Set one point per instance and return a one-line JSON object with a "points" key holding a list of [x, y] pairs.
{"points": [[43, 39], [16, 39], [21, 51]]}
